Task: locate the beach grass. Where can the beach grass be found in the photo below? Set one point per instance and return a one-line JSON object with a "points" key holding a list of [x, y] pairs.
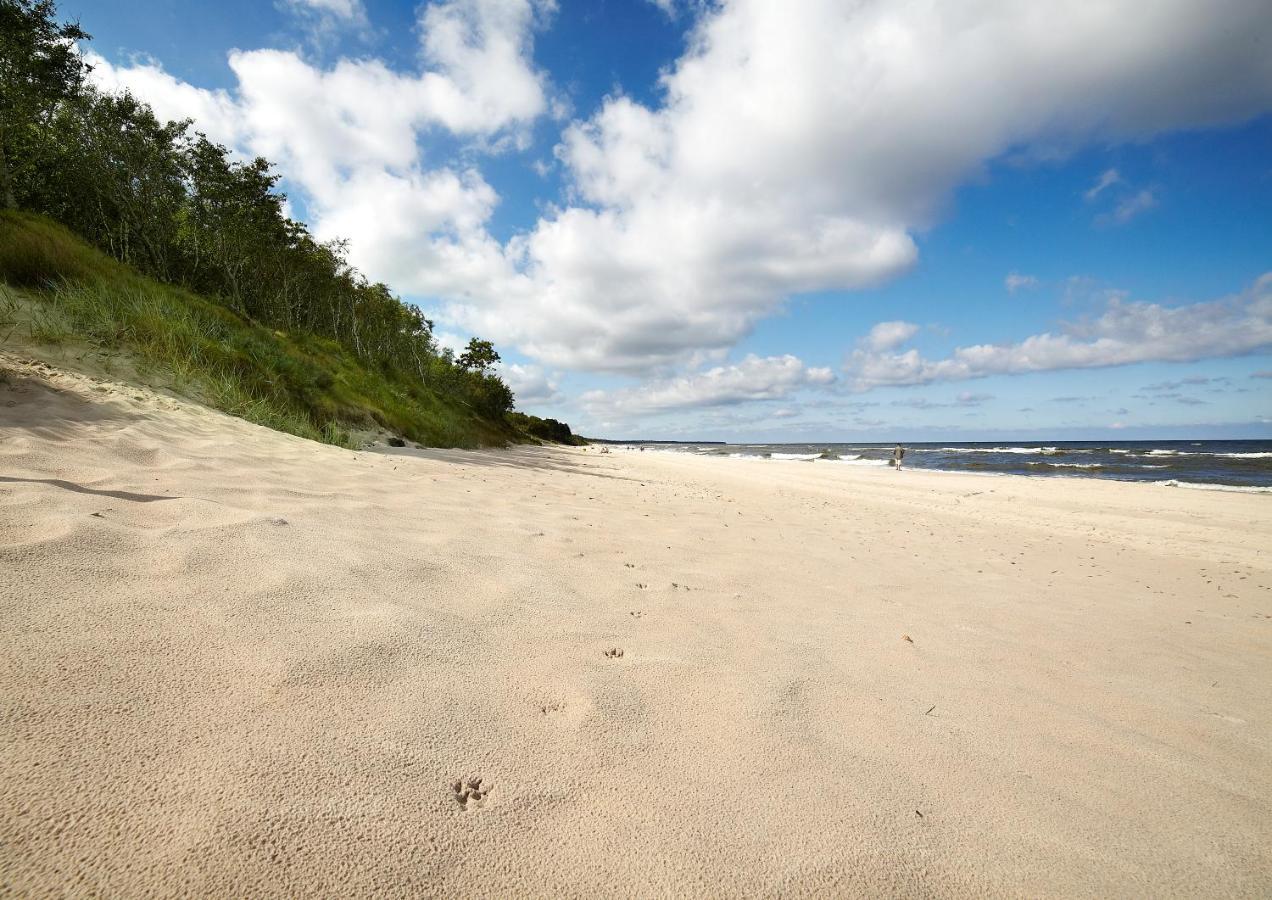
{"points": [[70, 293]]}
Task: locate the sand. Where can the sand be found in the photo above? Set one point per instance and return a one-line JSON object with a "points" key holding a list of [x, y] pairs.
{"points": [[234, 662]]}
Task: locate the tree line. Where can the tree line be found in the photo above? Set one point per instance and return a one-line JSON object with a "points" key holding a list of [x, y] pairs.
{"points": [[163, 198]]}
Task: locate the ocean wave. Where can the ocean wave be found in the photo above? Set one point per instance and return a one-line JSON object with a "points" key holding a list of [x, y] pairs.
{"points": [[1199, 486], [804, 457], [1051, 465], [1245, 455], [1030, 450], [857, 461]]}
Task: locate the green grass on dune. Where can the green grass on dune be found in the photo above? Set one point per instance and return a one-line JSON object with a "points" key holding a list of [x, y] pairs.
{"points": [[297, 383]]}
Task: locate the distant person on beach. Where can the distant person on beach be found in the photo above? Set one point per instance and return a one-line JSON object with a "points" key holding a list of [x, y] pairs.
{"points": [[898, 455]]}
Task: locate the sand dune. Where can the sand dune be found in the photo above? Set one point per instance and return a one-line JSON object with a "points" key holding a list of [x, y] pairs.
{"points": [[239, 663]]}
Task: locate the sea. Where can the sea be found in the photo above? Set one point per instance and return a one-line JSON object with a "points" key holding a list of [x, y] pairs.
{"points": [[1244, 466]]}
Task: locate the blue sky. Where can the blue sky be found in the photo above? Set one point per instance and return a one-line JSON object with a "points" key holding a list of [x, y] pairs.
{"points": [[752, 221]]}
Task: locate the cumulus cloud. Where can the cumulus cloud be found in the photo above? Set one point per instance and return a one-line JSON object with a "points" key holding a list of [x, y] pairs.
{"points": [[348, 137], [754, 378], [214, 112], [800, 144], [1127, 332], [530, 384], [888, 335], [796, 147], [1015, 282]]}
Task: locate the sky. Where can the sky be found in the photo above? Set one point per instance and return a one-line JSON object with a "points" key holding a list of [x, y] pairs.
{"points": [[769, 221]]}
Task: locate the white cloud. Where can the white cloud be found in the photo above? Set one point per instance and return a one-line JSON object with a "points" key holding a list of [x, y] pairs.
{"points": [[448, 340], [1129, 207], [529, 383], [1015, 282], [889, 335], [1108, 178], [799, 145], [797, 148], [754, 378], [1126, 333], [325, 19], [214, 112], [965, 399], [340, 9], [349, 136]]}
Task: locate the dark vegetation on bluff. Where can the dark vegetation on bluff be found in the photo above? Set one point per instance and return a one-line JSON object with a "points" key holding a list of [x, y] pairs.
{"points": [[146, 238]]}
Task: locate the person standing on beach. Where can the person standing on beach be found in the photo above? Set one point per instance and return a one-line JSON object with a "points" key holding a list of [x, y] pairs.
{"points": [[898, 455]]}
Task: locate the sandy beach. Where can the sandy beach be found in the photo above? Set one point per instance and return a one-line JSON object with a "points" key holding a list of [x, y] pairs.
{"points": [[239, 663]]}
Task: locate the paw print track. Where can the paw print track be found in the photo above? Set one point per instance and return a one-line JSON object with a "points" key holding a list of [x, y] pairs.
{"points": [[636, 613], [469, 792], [614, 653]]}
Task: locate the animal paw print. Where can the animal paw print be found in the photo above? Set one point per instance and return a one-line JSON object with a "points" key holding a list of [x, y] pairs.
{"points": [[641, 585], [636, 613], [469, 792], [614, 653], [549, 708]]}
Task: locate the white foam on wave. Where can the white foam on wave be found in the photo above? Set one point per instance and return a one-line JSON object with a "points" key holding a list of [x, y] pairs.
{"points": [[803, 457], [1033, 450], [1245, 455], [858, 461], [1067, 465], [1231, 488]]}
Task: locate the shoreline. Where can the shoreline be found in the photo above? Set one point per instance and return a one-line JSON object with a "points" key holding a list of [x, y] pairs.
{"points": [[876, 463], [239, 661]]}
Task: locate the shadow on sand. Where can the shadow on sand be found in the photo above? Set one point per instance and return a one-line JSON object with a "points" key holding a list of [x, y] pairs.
{"points": [[543, 459], [80, 489]]}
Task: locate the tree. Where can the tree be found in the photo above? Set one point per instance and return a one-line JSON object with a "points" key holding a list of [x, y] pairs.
{"points": [[479, 356], [39, 66]]}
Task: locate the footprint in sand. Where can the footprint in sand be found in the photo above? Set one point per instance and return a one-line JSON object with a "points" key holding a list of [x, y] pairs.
{"points": [[469, 792], [555, 706], [614, 653], [636, 613]]}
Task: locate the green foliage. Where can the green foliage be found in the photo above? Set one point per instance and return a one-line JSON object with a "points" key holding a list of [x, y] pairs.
{"points": [[479, 356], [242, 296], [546, 429], [38, 68], [292, 381]]}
